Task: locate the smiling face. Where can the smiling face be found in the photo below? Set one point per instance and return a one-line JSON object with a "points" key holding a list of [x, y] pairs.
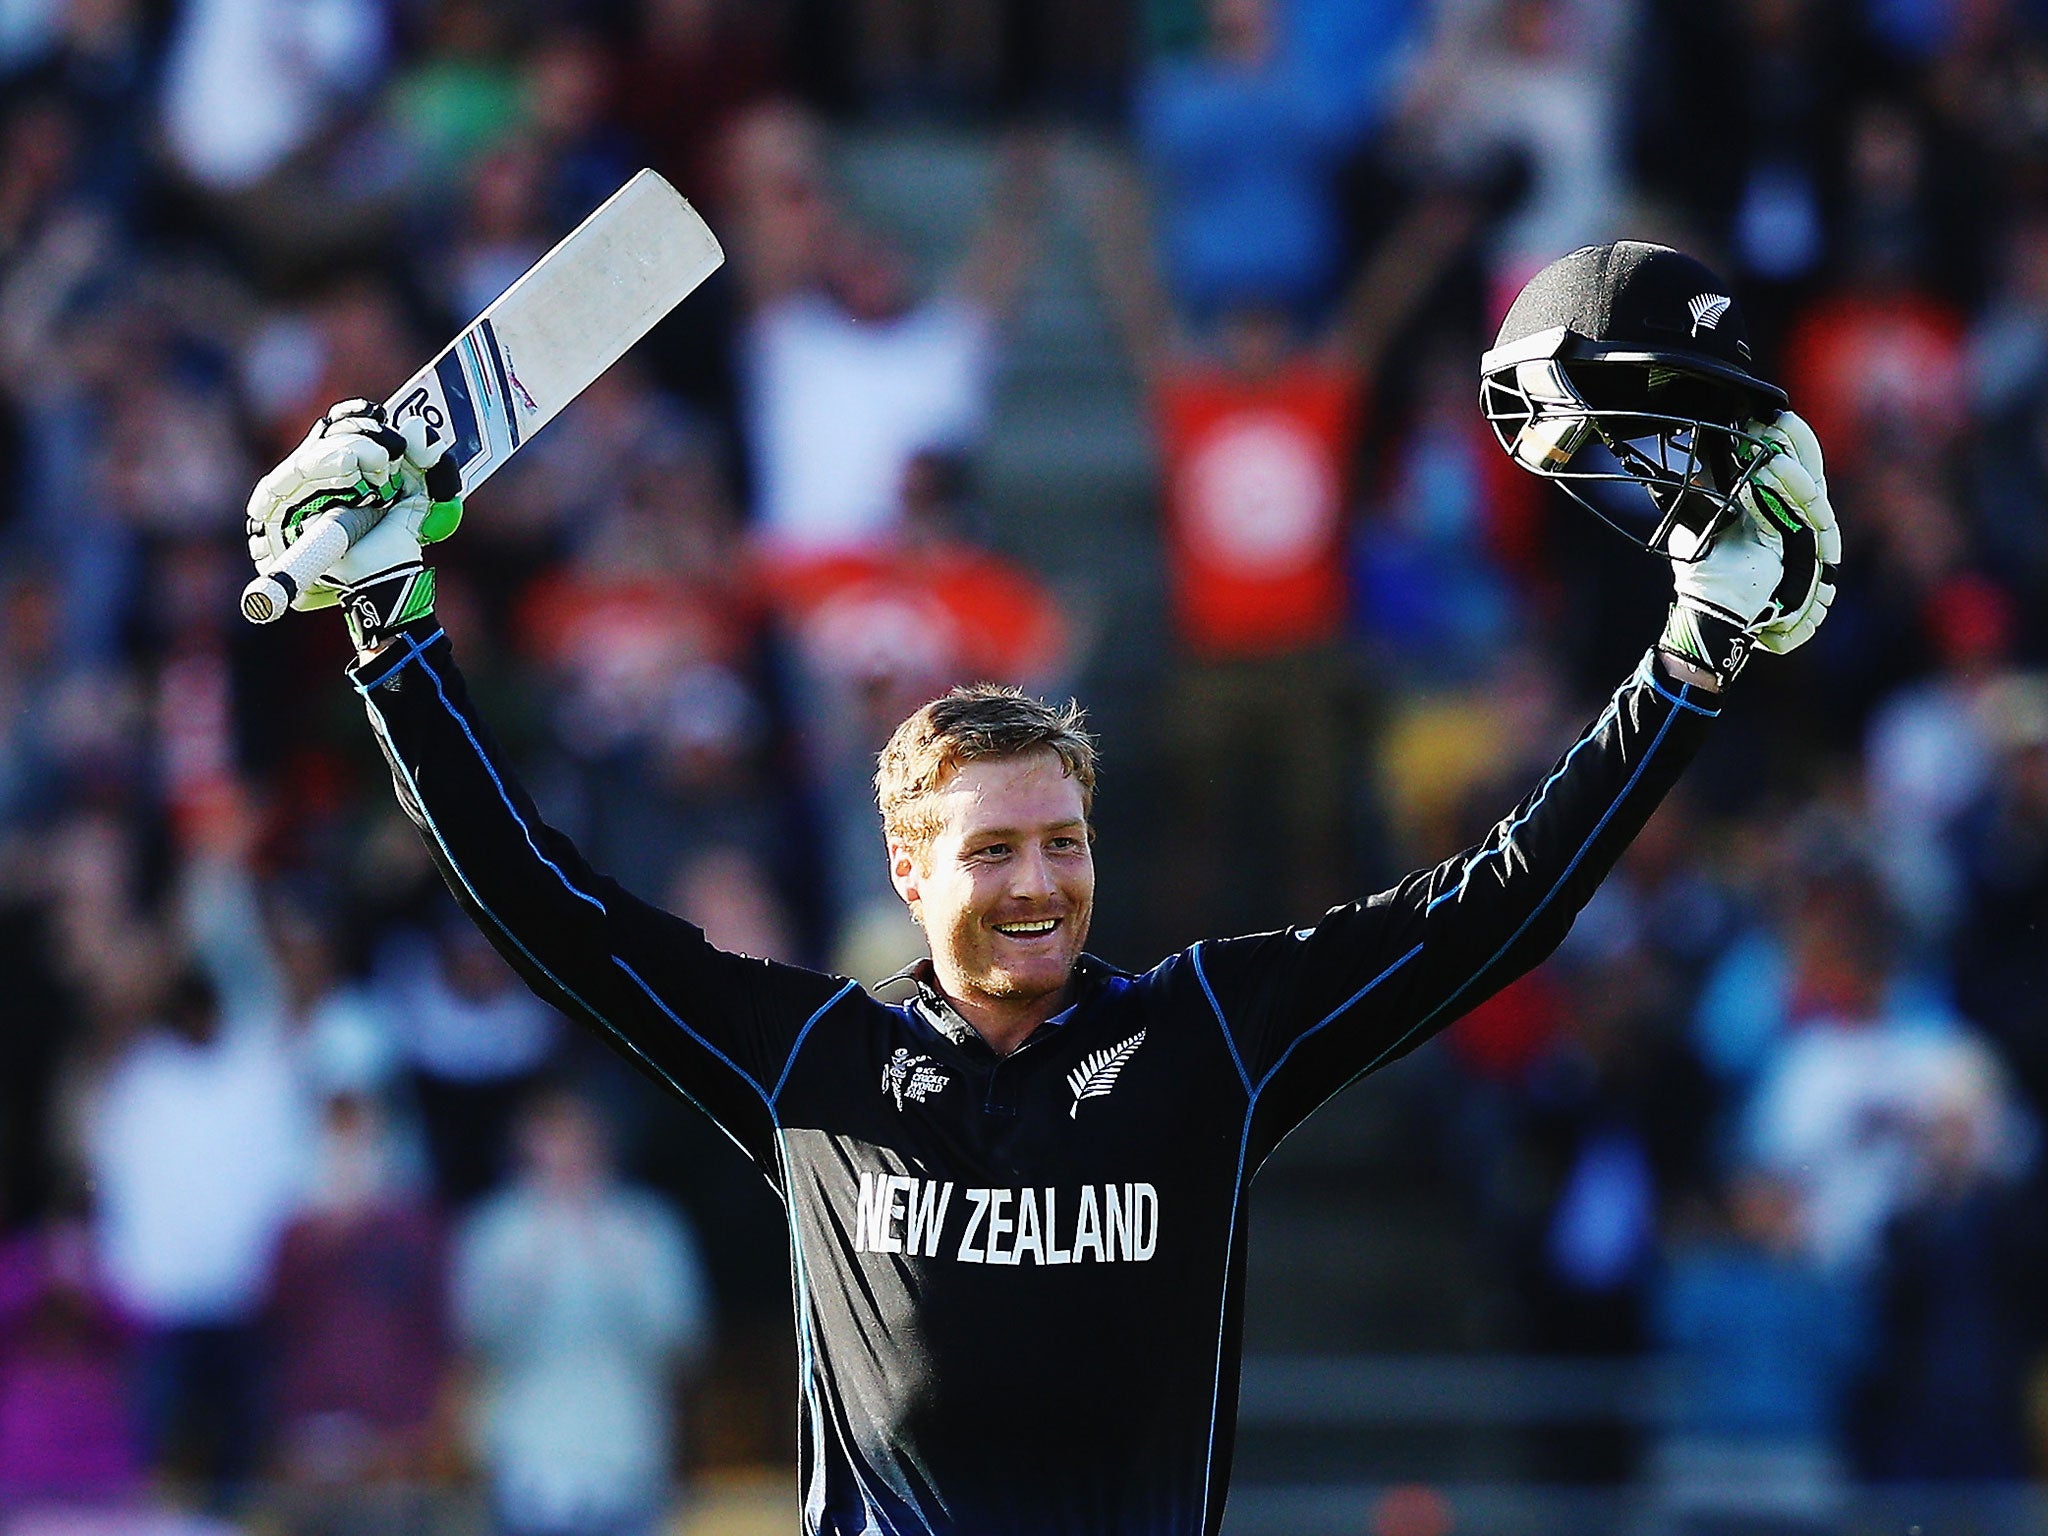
{"points": [[1004, 889]]}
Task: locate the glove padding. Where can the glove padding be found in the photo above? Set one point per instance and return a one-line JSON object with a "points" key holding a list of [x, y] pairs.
{"points": [[1767, 580], [1790, 489], [354, 457]]}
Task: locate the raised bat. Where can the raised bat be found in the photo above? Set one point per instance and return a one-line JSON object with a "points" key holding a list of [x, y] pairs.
{"points": [[538, 345]]}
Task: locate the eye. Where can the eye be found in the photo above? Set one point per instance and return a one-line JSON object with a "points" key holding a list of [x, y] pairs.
{"points": [[990, 851], [1065, 843]]}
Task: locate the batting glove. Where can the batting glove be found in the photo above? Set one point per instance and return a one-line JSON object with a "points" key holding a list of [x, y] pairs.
{"points": [[354, 457], [1768, 578], [1791, 488]]}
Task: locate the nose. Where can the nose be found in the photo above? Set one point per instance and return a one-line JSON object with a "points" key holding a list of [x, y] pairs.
{"points": [[1031, 876]]}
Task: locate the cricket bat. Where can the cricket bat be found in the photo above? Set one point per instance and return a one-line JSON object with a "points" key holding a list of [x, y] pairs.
{"points": [[538, 345]]}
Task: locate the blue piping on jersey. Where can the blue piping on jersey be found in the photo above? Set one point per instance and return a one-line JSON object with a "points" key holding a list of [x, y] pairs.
{"points": [[434, 831], [877, 1520], [674, 1018], [1244, 1141], [1229, 1040], [802, 1035], [796, 1244], [1237, 1180], [1507, 836], [1683, 699], [799, 1282], [1598, 827], [1332, 1016], [412, 654], [568, 885], [499, 785]]}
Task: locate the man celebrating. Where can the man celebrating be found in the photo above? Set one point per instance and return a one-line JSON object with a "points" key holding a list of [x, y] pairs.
{"points": [[1016, 1202]]}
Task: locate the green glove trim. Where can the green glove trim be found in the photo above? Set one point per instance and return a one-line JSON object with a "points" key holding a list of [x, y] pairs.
{"points": [[377, 607], [419, 602], [442, 519], [361, 494]]}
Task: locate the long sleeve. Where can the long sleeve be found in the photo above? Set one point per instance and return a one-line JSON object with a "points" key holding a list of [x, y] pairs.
{"points": [[1307, 1010], [716, 1028]]}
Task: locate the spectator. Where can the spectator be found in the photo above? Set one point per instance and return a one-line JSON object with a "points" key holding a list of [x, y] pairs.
{"points": [[196, 1144], [1819, 901], [1767, 80], [1959, 1295], [457, 96], [66, 1355], [582, 1300], [849, 375], [692, 68], [1999, 962], [1770, 1344], [270, 955], [650, 640], [1884, 348], [1432, 600], [1535, 83], [1930, 750], [1243, 166], [249, 85], [2008, 377], [876, 630], [356, 1318], [1258, 427], [1844, 1107]]}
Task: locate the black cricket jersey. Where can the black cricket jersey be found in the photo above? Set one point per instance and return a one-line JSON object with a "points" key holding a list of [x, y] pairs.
{"points": [[1019, 1281]]}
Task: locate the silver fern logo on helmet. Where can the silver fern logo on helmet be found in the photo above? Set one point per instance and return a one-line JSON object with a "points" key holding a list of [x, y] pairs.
{"points": [[1706, 310]]}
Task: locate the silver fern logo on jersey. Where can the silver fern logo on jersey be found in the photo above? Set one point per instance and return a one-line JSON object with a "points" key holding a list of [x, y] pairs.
{"points": [[1706, 310], [1099, 1070], [905, 1076]]}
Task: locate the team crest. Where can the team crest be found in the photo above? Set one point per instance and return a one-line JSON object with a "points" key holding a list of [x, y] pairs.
{"points": [[905, 1076], [1099, 1071], [1706, 310]]}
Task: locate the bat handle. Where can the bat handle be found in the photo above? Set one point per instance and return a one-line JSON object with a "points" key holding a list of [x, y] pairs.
{"points": [[319, 545]]}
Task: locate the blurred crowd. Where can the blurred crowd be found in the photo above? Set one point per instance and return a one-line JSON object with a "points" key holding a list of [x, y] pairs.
{"points": [[301, 1190]]}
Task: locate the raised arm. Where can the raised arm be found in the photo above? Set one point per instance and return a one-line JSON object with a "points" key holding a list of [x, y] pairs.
{"points": [[715, 1028], [1393, 284], [1307, 1010], [1008, 242], [1117, 217]]}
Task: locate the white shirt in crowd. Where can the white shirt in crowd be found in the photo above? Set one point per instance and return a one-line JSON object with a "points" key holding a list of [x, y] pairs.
{"points": [[838, 407], [247, 83], [1846, 1114], [198, 1154], [491, 1036], [580, 1314]]}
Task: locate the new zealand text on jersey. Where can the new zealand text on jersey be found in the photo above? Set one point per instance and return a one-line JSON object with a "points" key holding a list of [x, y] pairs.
{"points": [[1110, 1224]]}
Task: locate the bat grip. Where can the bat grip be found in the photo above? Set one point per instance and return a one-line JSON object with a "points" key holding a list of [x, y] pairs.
{"points": [[319, 545]]}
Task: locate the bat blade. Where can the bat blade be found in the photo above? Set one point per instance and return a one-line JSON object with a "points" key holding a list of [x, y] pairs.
{"points": [[537, 346], [573, 314]]}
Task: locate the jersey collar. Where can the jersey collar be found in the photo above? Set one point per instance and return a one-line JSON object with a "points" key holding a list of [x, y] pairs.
{"points": [[1090, 977]]}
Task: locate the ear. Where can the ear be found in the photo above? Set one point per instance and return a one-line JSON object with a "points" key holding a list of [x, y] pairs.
{"points": [[904, 873]]}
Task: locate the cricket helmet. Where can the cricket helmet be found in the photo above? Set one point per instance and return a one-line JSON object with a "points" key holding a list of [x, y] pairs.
{"points": [[1622, 372]]}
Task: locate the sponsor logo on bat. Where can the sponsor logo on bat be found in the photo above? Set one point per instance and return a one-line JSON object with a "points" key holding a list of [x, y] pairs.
{"points": [[420, 403]]}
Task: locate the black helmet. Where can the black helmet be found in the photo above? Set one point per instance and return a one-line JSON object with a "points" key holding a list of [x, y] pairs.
{"points": [[1628, 365]]}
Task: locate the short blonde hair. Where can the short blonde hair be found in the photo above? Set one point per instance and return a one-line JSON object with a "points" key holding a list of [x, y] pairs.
{"points": [[977, 721]]}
